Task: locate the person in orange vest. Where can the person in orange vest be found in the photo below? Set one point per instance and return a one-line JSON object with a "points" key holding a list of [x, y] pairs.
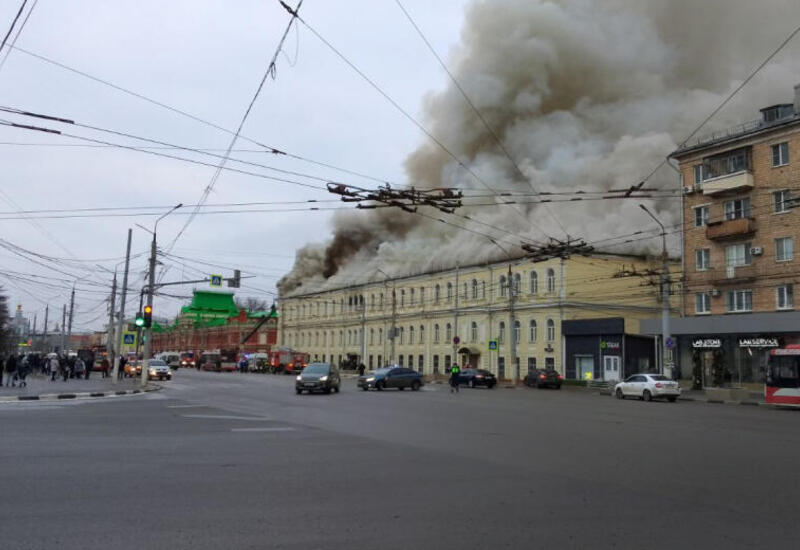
{"points": [[455, 375]]}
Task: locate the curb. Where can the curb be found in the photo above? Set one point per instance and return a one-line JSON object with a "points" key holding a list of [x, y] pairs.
{"points": [[83, 395]]}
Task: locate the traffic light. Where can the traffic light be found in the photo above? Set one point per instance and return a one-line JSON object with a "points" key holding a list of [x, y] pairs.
{"points": [[139, 322], [236, 281], [148, 316]]}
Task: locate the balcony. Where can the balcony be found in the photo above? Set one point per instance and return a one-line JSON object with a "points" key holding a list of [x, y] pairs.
{"points": [[732, 275], [738, 181], [730, 229]]}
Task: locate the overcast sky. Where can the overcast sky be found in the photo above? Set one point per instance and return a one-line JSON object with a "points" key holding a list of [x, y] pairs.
{"points": [[205, 57]]}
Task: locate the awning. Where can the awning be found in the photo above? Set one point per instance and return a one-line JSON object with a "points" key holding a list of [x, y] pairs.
{"points": [[466, 350]]}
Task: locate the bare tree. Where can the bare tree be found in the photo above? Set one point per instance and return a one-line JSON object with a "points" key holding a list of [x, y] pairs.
{"points": [[252, 304]]}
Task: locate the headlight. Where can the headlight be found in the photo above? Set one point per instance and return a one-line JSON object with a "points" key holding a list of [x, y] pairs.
{"points": [[153, 372], [298, 378], [323, 379], [371, 379]]}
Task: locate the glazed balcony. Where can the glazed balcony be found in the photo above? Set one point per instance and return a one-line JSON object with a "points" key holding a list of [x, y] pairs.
{"points": [[732, 275], [730, 229]]}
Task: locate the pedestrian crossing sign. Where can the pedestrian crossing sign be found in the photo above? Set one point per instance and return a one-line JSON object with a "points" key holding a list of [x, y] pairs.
{"points": [[216, 280], [129, 338], [492, 345]]}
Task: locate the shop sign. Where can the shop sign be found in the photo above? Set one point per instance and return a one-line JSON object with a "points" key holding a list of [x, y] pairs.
{"points": [[609, 346], [759, 343], [707, 343]]}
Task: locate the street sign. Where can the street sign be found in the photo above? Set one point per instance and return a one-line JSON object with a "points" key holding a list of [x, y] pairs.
{"points": [[129, 338], [670, 343], [456, 340], [492, 345], [216, 280]]}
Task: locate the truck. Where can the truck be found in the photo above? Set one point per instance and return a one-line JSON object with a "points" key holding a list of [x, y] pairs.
{"points": [[287, 361], [219, 360]]}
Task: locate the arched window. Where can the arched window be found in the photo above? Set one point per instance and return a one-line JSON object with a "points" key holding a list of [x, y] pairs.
{"points": [[402, 297], [303, 310], [501, 332], [411, 300], [473, 331], [435, 334], [474, 289], [551, 330], [371, 336], [380, 336], [448, 333], [380, 301], [402, 335], [422, 296], [464, 294], [502, 284], [534, 283], [422, 334], [437, 292], [483, 290], [516, 332], [551, 281], [341, 337], [449, 292], [411, 335], [324, 339], [316, 338], [372, 301], [532, 331], [517, 284]]}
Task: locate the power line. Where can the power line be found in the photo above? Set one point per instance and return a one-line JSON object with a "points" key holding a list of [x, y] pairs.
{"points": [[13, 23], [16, 36]]}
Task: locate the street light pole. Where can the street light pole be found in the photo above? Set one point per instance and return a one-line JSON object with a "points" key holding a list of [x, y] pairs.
{"points": [[151, 283], [119, 337], [667, 362]]}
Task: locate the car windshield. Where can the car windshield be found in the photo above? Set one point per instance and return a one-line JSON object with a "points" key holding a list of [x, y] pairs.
{"points": [[384, 370], [659, 378], [211, 358], [157, 363], [316, 368]]}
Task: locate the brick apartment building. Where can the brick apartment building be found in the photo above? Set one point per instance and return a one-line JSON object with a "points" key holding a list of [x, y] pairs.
{"points": [[740, 231]]}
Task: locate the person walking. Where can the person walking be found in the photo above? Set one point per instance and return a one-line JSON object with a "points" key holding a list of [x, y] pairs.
{"points": [[63, 367], [122, 362], [22, 373], [455, 375], [11, 370], [80, 368], [53, 365], [89, 365], [361, 369], [104, 367]]}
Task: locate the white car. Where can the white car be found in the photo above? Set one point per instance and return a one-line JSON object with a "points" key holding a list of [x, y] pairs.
{"points": [[159, 370], [648, 387]]}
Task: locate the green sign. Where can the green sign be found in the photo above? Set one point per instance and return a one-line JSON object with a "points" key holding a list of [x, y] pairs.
{"points": [[493, 345]]}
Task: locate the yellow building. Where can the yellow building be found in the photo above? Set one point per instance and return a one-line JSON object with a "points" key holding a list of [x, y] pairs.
{"points": [[461, 314]]}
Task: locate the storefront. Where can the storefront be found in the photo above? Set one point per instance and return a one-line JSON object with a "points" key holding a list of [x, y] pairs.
{"points": [[722, 351], [599, 349]]}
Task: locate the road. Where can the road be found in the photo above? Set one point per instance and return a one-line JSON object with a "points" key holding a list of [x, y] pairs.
{"points": [[240, 461]]}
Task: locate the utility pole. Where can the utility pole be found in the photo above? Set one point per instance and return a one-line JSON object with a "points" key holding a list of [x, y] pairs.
{"points": [[364, 332], [71, 312], [44, 332], [110, 330], [33, 332], [394, 321], [667, 362], [63, 325], [455, 327], [512, 298], [119, 335]]}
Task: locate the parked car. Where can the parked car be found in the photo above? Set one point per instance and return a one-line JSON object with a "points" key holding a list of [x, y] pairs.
{"points": [[477, 377], [391, 377], [318, 377], [648, 387], [159, 369], [544, 378]]}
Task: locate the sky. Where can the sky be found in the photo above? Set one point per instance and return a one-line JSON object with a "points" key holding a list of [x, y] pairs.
{"points": [[206, 58]]}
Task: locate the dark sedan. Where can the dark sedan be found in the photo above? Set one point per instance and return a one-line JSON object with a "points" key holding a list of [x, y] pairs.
{"points": [[318, 377], [391, 377], [541, 378], [477, 377]]}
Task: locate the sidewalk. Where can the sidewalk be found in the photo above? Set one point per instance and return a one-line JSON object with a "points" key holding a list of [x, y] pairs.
{"points": [[42, 388]]}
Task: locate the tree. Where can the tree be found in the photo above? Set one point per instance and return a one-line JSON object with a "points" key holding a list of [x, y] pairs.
{"points": [[252, 304], [5, 323]]}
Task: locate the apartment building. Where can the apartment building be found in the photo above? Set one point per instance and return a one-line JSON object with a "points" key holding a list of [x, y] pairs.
{"points": [[740, 233], [470, 314]]}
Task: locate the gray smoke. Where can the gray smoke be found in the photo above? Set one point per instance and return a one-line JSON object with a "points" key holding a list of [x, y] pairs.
{"points": [[586, 95]]}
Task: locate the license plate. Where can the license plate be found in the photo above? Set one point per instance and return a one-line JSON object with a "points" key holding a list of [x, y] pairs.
{"points": [[309, 385]]}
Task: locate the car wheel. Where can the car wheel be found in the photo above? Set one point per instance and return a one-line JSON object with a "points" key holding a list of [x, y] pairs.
{"points": [[380, 385], [336, 388], [490, 386], [299, 391], [672, 398], [619, 394], [647, 396], [401, 388], [415, 385], [472, 383], [327, 391], [364, 388]]}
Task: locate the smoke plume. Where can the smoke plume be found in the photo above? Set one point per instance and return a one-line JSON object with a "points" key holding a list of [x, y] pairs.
{"points": [[584, 95]]}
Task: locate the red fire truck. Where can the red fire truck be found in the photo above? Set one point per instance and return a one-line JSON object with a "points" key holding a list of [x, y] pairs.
{"points": [[287, 361], [783, 376]]}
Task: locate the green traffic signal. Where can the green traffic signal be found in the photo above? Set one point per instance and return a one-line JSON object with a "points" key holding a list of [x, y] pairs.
{"points": [[139, 322]]}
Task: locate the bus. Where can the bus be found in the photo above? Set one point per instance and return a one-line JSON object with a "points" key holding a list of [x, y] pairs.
{"points": [[783, 376]]}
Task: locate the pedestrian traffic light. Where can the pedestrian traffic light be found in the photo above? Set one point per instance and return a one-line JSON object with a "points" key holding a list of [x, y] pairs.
{"points": [[148, 316], [139, 322]]}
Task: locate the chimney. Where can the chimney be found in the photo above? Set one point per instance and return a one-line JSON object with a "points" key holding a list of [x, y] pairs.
{"points": [[797, 99]]}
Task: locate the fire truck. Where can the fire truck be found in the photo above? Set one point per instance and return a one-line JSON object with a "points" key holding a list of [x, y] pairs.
{"points": [[783, 376], [287, 361]]}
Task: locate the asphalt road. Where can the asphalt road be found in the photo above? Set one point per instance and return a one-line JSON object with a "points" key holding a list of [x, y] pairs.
{"points": [[240, 461]]}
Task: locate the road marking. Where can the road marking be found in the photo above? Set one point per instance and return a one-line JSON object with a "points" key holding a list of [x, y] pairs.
{"points": [[225, 417], [262, 429], [186, 406]]}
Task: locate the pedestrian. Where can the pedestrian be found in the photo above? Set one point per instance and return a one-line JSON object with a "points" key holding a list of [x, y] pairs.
{"points": [[11, 370], [22, 373], [361, 369], [53, 365], [89, 365], [121, 369], [455, 372], [79, 367], [104, 367], [63, 367]]}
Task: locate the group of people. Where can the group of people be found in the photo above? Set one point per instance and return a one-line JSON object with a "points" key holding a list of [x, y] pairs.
{"points": [[17, 367]]}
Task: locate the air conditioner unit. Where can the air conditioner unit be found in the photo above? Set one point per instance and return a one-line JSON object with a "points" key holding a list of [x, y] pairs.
{"points": [[698, 187], [715, 292], [756, 251], [688, 190]]}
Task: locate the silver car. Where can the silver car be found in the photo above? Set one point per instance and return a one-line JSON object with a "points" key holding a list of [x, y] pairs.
{"points": [[648, 387], [159, 370]]}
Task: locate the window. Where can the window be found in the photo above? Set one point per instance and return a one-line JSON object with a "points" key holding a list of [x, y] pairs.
{"points": [[402, 297], [551, 281], [421, 334], [740, 300], [698, 174], [701, 215], [551, 330], [316, 338], [435, 364], [516, 332], [501, 332], [421, 363], [400, 359], [422, 296], [780, 154], [702, 259], [534, 283], [464, 294], [785, 297], [784, 249], [410, 361], [437, 291], [727, 163], [324, 339], [483, 290], [780, 200], [502, 283], [517, 284], [402, 335], [531, 364], [702, 303], [448, 333], [410, 335], [532, 331], [738, 208], [435, 334], [380, 338], [737, 254], [473, 331], [449, 292], [474, 289], [550, 363], [411, 300]]}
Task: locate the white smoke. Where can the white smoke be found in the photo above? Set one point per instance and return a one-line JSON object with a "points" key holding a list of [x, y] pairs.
{"points": [[585, 95]]}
